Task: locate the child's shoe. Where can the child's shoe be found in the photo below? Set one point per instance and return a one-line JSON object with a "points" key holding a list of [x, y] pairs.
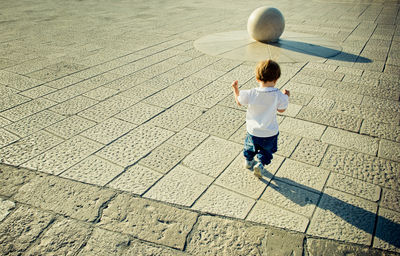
{"points": [[257, 170], [249, 164]]}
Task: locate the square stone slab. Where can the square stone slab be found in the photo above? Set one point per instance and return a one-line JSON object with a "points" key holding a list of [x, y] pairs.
{"points": [[7, 138], [139, 113], [391, 199], [310, 151], [70, 126], [389, 150], [387, 230], [187, 139], [302, 128]]}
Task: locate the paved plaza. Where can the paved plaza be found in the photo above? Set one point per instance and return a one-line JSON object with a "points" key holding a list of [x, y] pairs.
{"points": [[118, 136]]}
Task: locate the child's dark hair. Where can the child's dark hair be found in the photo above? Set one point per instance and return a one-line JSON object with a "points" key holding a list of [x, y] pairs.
{"points": [[268, 71]]}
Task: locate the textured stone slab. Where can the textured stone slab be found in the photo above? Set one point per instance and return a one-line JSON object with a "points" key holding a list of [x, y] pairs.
{"points": [[148, 220], [305, 88], [70, 126], [108, 130], [322, 103], [139, 92], [164, 158], [209, 95], [302, 128], [54, 194], [73, 106], [224, 202], [187, 139], [243, 73], [37, 92], [28, 147], [212, 156], [276, 243], [47, 75], [63, 156], [12, 178], [335, 248], [387, 230], [390, 199], [63, 82], [67, 93], [101, 93], [6, 207], [18, 82], [384, 104], [27, 109], [287, 143], [177, 117], [270, 214], [139, 113], [104, 242], [134, 145], [219, 121], [93, 170], [381, 130], [136, 179], [4, 122], [389, 150], [180, 186], [343, 217], [303, 175], [321, 74], [350, 140], [309, 151], [64, 237], [7, 138], [21, 228], [306, 79], [217, 236]]}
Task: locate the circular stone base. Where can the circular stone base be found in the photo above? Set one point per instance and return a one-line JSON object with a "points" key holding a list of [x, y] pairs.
{"points": [[292, 47]]}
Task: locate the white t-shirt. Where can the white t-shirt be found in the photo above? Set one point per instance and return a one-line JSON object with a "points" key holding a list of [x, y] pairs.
{"points": [[263, 103]]}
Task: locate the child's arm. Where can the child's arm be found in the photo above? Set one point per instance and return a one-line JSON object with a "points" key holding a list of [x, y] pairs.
{"points": [[235, 87], [288, 94]]}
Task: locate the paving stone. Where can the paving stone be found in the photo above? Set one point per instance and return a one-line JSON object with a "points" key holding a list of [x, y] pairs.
{"points": [[306, 79], [217, 236], [10, 100], [164, 158], [387, 230], [209, 95], [28, 147], [300, 98], [37, 92], [21, 228], [242, 73], [217, 200], [136, 144], [286, 143], [104, 242], [320, 73], [292, 110], [4, 122], [219, 121], [302, 175], [302, 128], [100, 93], [187, 139], [70, 126], [66, 66], [108, 130], [27, 109], [381, 130], [385, 104], [125, 83], [47, 75], [343, 217], [295, 87], [309, 151], [7, 138], [54, 194], [177, 117], [73, 106], [64, 237], [389, 150], [212, 156], [63, 156], [18, 82], [148, 220], [66, 93], [390, 199], [323, 104], [276, 243], [63, 82], [139, 113], [6, 207], [12, 179], [180, 186]]}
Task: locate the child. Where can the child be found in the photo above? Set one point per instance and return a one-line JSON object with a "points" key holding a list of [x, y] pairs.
{"points": [[261, 123]]}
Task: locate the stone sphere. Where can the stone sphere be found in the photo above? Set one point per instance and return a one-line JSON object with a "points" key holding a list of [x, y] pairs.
{"points": [[266, 24]]}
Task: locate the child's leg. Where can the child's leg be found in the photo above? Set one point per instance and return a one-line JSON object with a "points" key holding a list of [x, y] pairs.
{"points": [[267, 147], [249, 150]]}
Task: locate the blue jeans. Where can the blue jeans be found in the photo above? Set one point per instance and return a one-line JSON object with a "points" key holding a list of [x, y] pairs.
{"points": [[260, 146]]}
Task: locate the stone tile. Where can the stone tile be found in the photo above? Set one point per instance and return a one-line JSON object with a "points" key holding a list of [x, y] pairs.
{"points": [[323, 104], [63, 82], [295, 87], [321, 73], [63, 156], [93, 170], [18, 82], [27, 109], [34, 123], [381, 130], [390, 199], [100, 93], [125, 83], [28, 147], [387, 230], [349, 140], [242, 73], [164, 158], [54, 194], [4, 122], [287, 143], [70, 126], [177, 117], [270, 214], [6, 207], [136, 179], [384, 104], [10, 100], [291, 198], [37, 92], [219, 121], [303, 175], [329, 247], [300, 98], [343, 217], [212, 156], [292, 110], [65, 236], [302, 128], [21, 229], [47, 75], [7, 138], [139, 113], [227, 237], [108, 130], [73, 106], [389, 150], [187, 139], [136, 144], [306, 79], [147, 220], [309, 151], [276, 243], [180, 186], [354, 187], [66, 66], [12, 178], [209, 95], [217, 200], [66, 93]]}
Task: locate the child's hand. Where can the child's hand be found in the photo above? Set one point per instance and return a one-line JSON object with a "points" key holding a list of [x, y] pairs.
{"points": [[286, 92], [235, 84]]}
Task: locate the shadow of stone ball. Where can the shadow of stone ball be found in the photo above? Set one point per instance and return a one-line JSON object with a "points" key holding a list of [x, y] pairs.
{"points": [[266, 24]]}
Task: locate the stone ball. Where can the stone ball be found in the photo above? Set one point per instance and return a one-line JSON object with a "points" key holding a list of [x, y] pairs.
{"points": [[266, 24]]}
